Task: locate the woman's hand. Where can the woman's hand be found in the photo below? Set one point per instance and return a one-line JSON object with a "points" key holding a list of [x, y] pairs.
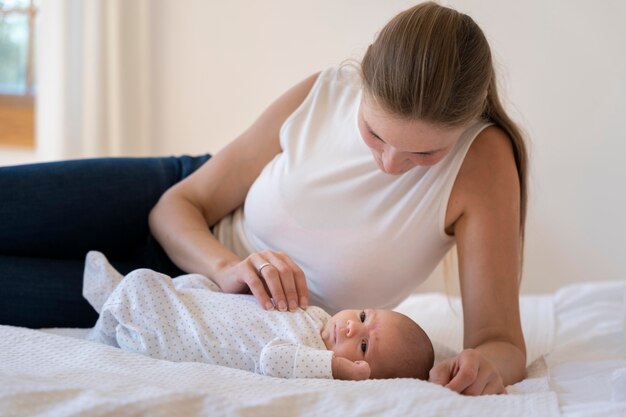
{"points": [[468, 373], [269, 276]]}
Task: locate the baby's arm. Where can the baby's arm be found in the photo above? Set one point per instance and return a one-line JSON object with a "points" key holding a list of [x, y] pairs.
{"points": [[283, 359]]}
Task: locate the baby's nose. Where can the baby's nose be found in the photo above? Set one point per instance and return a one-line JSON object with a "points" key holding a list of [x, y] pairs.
{"points": [[352, 327]]}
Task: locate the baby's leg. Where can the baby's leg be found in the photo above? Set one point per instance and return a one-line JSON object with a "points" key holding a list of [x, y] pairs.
{"points": [[99, 279], [134, 316]]}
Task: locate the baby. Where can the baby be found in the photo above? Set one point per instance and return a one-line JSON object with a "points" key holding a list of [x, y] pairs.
{"points": [[188, 319]]}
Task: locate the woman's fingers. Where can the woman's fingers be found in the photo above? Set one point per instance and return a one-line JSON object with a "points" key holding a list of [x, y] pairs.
{"points": [[257, 285], [494, 387], [465, 376], [440, 373], [301, 289], [292, 280], [277, 279], [485, 386], [476, 387], [469, 373]]}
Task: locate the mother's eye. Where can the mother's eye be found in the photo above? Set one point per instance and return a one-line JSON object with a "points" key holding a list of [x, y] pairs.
{"points": [[374, 135], [362, 316]]}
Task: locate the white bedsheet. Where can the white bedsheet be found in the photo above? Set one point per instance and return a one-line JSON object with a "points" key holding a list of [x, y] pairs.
{"points": [[441, 317], [588, 362], [576, 336]]}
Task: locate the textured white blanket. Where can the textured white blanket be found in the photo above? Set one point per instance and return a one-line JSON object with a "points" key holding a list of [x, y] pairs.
{"points": [[44, 374]]}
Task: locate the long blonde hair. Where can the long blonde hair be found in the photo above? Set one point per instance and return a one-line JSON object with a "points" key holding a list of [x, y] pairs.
{"points": [[434, 64]]}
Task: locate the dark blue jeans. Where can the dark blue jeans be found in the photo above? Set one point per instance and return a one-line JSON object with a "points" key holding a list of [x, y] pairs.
{"points": [[52, 214]]}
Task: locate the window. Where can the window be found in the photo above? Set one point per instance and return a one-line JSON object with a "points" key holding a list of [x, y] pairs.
{"points": [[17, 71]]}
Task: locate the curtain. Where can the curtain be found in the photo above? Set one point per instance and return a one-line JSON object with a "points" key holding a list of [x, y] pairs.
{"points": [[93, 79]]}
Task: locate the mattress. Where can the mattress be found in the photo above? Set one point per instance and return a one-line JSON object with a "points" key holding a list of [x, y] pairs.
{"points": [[576, 367]]}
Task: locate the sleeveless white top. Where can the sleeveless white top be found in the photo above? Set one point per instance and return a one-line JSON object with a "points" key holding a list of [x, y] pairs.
{"points": [[364, 238]]}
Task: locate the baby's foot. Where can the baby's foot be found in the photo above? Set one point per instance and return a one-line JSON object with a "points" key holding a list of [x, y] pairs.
{"points": [[99, 279]]}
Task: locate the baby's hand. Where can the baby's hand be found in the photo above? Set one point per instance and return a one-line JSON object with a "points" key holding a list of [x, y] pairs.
{"points": [[352, 371]]}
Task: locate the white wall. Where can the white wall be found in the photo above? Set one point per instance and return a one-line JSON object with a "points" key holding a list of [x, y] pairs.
{"points": [[217, 64], [562, 64]]}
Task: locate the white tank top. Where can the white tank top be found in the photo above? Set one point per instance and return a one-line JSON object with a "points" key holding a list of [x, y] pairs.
{"points": [[364, 238]]}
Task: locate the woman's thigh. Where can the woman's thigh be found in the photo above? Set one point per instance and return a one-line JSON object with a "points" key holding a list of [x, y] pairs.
{"points": [[52, 214], [62, 209]]}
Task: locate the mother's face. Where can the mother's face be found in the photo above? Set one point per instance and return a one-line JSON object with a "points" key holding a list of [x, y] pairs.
{"points": [[399, 144]]}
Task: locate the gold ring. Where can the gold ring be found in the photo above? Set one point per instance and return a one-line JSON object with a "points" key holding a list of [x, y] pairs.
{"points": [[260, 269]]}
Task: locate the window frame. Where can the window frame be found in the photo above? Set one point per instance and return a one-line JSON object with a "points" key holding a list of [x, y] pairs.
{"points": [[26, 99]]}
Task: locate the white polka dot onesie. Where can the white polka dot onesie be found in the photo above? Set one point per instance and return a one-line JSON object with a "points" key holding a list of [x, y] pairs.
{"points": [[185, 320]]}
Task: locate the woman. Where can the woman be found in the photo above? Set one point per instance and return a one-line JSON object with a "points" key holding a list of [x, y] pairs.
{"points": [[301, 212], [347, 192]]}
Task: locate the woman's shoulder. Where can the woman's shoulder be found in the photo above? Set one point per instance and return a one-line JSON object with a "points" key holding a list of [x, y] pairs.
{"points": [[492, 149], [488, 176]]}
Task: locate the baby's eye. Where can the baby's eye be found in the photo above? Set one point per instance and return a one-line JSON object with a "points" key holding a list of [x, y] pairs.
{"points": [[364, 346], [362, 316]]}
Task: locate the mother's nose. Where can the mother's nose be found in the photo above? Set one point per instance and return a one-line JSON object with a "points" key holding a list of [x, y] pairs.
{"points": [[392, 160]]}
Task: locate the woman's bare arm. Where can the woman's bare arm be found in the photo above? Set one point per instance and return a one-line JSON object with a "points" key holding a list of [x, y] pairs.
{"points": [[181, 219], [485, 201]]}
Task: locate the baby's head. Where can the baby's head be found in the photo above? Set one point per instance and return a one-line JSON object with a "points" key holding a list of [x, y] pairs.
{"points": [[393, 344]]}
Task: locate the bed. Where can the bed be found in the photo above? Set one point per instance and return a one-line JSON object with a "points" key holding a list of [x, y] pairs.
{"points": [[576, 367]]}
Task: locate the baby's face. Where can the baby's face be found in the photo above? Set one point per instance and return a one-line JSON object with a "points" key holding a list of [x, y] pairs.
{"points": [[368, 335]]}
